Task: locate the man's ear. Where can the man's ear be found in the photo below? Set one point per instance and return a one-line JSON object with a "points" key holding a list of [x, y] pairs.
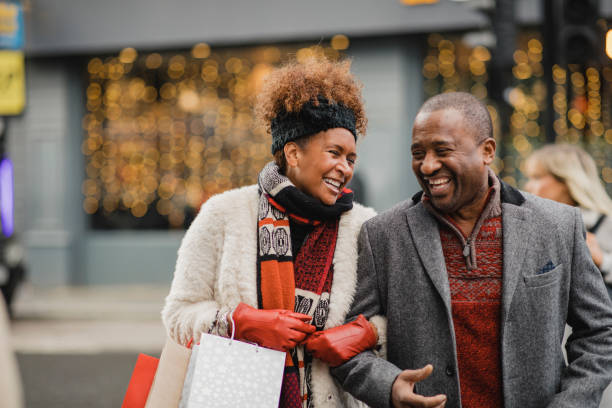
{"points": [[488, 150], [291, 151]]}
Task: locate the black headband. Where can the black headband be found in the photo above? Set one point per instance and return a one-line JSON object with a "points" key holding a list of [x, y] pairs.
{"points": [[311, 119]]}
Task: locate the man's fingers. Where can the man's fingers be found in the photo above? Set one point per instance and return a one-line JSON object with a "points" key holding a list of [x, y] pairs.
{"points": [[416, 375], [416, 400]]}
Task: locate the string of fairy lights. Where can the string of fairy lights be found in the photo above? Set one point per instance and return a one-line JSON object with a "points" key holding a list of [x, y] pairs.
{"points": [[165, 131], [581, 113]]}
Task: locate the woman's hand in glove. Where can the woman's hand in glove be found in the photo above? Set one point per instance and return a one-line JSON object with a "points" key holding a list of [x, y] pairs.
{"points": [[275, 328], [339, 344]]}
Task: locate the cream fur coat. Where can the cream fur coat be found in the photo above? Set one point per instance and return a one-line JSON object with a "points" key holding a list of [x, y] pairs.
{"points": [[217, 268]]}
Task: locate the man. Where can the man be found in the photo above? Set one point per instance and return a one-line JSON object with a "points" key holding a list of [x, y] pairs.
{"points": [[477, 281]]}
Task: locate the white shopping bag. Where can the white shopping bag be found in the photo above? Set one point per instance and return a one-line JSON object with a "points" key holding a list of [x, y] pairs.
{"points": [[189, 377], [230, 373]]}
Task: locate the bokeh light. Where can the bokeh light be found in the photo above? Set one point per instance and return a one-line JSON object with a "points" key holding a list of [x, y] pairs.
{"points": [[164, 131], [579, 99]]}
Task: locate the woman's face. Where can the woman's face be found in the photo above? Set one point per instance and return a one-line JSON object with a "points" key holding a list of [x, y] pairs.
{"points": [[544, 184], [324, 166]]}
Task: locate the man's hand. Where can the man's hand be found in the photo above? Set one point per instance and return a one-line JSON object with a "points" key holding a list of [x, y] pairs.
{"points": [[402, 391]]}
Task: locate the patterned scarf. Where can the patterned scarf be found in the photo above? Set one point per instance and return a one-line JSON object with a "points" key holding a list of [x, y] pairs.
{"points": [[304, 286]]}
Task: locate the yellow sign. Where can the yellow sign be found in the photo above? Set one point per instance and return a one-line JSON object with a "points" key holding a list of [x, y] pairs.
{"points": [[12, 82]]}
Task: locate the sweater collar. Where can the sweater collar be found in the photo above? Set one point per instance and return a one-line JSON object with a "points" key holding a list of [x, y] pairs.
{"points": [[491, 209]]}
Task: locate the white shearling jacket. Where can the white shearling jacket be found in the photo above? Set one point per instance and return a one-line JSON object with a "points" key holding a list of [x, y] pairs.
{"points": [[217, 268]]}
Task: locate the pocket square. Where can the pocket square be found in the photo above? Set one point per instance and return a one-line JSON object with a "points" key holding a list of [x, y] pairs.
{"points": [[547, 268]]}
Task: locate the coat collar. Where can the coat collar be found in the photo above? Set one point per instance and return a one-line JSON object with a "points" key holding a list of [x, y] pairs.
{"points": [[511, 195], [426, 238], [517, 237]]}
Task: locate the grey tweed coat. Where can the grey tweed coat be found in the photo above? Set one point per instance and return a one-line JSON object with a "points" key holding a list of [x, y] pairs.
{"points": [[402, 274]]}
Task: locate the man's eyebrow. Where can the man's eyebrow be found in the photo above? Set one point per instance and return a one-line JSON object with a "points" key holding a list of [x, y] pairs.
{"points": [[441, 142], [435, 143]]}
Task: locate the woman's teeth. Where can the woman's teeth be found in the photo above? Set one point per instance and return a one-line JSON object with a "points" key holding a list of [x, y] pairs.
{"points": [[333, 183]]}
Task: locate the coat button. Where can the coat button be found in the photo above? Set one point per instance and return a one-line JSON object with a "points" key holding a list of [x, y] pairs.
{"points": [[450, 371]]}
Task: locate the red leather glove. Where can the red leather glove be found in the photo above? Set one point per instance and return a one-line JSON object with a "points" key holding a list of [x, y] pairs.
{"points": [[275, 328], [339, 344]]}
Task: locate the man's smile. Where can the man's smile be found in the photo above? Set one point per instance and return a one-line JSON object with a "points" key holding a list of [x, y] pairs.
{"points": [[437, 185]]}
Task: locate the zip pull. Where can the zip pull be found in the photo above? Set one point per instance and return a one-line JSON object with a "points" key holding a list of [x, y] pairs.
{"points": [[466, 249]]}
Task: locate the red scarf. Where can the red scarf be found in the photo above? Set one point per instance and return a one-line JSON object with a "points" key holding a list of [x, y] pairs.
{"points": [[282, 282], [278, 278]]}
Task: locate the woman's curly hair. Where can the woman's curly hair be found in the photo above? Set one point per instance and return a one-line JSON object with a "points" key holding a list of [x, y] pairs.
{"points": [[292, 85]]}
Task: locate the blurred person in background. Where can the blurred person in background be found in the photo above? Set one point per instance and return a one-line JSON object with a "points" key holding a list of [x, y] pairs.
{"points": [[12, 270], [10, 383], [567, 174], [278, 259]]}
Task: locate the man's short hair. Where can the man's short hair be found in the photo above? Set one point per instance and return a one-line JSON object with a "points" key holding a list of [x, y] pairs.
{"points": [[473, 111]]}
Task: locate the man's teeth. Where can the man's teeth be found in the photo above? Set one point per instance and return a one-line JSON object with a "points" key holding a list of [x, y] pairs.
{"points": [[438, 182], [334, 183]]}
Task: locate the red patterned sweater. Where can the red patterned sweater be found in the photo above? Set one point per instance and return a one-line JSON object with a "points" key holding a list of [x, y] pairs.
{"points": [[474, 266]]}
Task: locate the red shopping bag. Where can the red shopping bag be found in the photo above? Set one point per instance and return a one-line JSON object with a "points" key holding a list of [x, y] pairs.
{"points": [[140, 383]]}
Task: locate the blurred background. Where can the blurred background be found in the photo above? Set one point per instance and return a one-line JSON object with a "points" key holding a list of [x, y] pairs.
{"points": [[118, 119]]}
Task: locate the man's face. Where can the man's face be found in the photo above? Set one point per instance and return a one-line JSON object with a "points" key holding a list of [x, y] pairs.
{"points": [[449, 164]]}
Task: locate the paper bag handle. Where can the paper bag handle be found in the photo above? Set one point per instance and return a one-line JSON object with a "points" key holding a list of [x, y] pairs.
{"points": [[231, 317]]}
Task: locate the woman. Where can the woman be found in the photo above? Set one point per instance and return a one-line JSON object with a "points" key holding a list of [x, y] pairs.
{"points": [[567, 174], [280, 257]]}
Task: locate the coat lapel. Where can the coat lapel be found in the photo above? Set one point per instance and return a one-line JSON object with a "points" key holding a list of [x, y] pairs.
{"points": [[426, 238], [518, 236]]}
